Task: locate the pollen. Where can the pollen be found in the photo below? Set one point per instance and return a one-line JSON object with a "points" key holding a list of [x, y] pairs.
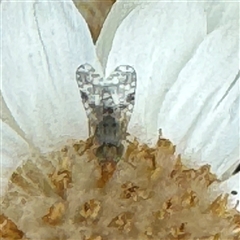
{"points": [[148, 194]]}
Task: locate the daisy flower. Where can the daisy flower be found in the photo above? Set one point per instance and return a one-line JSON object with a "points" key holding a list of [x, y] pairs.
{"points": [[185, 55]]}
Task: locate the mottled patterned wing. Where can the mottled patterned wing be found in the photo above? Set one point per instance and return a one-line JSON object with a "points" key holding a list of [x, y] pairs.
{"points": [[108, 102], [91, 90], [122, 85]]}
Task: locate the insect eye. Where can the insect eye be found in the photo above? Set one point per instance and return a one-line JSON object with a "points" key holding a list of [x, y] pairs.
{"points": [[114, 125], [105, 125]]}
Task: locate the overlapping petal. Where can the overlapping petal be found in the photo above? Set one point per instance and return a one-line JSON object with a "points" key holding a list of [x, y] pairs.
{"points": [[188, 83], [201, 110], [43, 44], [220, 13], [6, 117], [158, 46], [118, 13]]}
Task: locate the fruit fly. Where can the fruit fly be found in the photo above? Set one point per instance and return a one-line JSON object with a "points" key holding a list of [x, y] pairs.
{"points": [[108, 103]]}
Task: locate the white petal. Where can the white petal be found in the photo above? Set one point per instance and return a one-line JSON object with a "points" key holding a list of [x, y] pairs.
{"points": [[14, 150], [230, 186], [220, 12], [7, 117], [157, 40], [43, 45], [200, 113], [118, 12]]}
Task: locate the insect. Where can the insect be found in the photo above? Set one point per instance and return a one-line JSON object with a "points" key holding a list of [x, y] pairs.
{"points": [[108, 103]]}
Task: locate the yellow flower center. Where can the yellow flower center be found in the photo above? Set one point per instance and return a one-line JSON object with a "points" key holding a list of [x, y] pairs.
{"points": [[148, 194]]}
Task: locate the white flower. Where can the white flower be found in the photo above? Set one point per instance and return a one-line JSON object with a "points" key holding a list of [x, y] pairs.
{"points": [[185, 55]]}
